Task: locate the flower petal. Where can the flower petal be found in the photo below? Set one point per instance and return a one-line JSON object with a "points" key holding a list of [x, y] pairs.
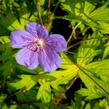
{"points": [[49, 60], [19, 38], [31, 28], [36, 29], [27, 58], [57, 42]]}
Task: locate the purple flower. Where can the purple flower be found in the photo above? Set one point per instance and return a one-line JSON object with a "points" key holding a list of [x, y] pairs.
{"points": [[38, 47]]}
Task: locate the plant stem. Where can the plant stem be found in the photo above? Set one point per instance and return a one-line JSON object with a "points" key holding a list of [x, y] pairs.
{"points": [[15, 93], [2, 84], [84, 40], [50, 17], [56, 7], [57, 99], [48, 10], [39, 15], [73, 31], [26, 102], [47, 16], [71, 83]]}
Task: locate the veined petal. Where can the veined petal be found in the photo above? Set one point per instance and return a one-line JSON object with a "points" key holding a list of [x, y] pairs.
{"points": [[32, 28], [19, 38], [27, 58], [57, 42], [49, 60], [36, 29]]}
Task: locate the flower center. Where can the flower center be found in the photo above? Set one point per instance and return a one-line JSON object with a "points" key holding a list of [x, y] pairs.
{"points": [[39, 42]]}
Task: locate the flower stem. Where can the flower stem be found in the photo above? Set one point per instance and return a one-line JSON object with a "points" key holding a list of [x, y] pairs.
{"points": [[48, 10], [48, 15], [39, 15]]}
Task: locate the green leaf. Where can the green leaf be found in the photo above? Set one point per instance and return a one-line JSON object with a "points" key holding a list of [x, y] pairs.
{"points": [[42, 2], [23, 20], [100, 69], [44, 92], [87, 50], [24, 69], [88, 106], [5, 106], [13, 107], [77, 103], [96, 86], [101, 13], [2, 98], [10, 22], [89, 94], [4, 39], [79, 9], [67, 72], [104, 102], [88, 13], [106, 51], [26, 82]]}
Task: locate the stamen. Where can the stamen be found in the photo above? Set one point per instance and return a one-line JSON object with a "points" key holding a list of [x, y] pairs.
{"points": [[39, 42]]}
